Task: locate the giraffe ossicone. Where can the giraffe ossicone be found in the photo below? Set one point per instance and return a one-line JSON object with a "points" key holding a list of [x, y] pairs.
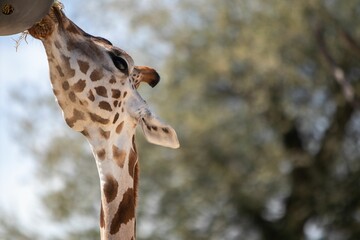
{"points": [[95, 85]]}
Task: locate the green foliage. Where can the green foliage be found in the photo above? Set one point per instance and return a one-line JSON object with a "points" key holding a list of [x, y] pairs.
{"points": [[269, 141]]}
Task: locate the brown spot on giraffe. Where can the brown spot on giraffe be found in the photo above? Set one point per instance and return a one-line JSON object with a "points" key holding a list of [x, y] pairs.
{"points": [[84, 66], [72, 96], [136, 169], [105, 106], [79, 86], [119, 156], [58, 68], [104, 134], [69, 72], [71, 45], [96, 118], [101, 154], [96, 75], [102, 217], [72, 29], [91, 96], [110, 188], [125, 212], [65, 85], [115, 93], [136, 182], [101, 91], [84, 103], [85, 133], [132, 162], [57, 44], [116, 118], [133, 143], [119, 127], [112, 80], [77, 116]]}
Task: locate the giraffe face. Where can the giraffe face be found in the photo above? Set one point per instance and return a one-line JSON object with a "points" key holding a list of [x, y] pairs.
{"points": [[96, 83]]}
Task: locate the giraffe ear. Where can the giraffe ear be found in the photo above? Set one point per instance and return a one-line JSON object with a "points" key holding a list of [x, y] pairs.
{"points": [[158, 133], [146, 74]]}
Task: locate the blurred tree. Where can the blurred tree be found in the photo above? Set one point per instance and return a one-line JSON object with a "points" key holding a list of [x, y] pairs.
{"points": [[9, 229], [264, 97]]}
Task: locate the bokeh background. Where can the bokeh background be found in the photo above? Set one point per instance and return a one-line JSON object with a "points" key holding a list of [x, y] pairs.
{"points": [[264, 96]]}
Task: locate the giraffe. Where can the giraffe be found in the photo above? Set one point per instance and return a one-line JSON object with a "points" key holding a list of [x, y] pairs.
{"points": [[95, 85]]}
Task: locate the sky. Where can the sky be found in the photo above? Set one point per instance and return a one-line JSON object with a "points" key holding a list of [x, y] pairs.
{"points": [[18, 69], [25, 69]]}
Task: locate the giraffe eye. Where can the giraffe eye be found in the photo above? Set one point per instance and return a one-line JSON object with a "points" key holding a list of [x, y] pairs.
{"points": [[119, 63]]}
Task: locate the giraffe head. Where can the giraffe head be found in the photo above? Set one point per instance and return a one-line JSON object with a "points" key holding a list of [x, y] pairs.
{"points": [[96, 83]]}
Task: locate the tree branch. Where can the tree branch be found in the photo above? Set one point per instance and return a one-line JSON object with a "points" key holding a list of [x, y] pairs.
{"points": [[337, 71], [352, 43]]}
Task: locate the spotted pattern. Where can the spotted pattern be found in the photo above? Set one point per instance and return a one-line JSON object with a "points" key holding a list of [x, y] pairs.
{"points": [[59, 69], [132, 162], [115, 93], [119, 156], [96, 75], [119, 128], [105, 106], [66, 85], [84, 66], [101, 91], [77, 116], [72, 29], [96, 118], [79, 86], [104, 134], [117, 115], [57, 44], [91, 96], [110, 188], [101, 154], [67, 70], [112, 80], [125, 211], [72, 96]]}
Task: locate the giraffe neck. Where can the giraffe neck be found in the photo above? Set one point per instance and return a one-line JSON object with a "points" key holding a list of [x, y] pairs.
{"points": [[113, 145], [117, 164]]}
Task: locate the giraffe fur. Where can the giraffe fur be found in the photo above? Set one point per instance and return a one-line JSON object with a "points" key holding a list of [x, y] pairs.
{"points": [[95, 85]]}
